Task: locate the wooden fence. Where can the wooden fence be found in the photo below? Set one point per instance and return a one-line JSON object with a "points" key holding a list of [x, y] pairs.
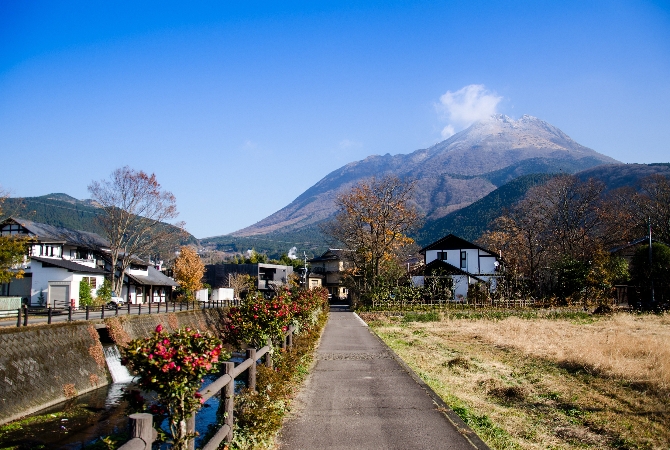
{"points": [[24, 314], [141, 425]]}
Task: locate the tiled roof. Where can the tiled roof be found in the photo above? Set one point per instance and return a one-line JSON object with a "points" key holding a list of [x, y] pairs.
{"points": [[153, 278], [452, 242], [66, 264], [50, 233]]}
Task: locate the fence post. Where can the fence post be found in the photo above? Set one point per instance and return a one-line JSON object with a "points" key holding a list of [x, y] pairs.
{"points": [[141, 427], [49, 315], [87, 312], [116, 307], [139, 309], [25, 315], [129, 307], [228, 400], [190, 427], [289, 338], [268, 355], [149, 306], [102, 311], [18, 318], [69, 313], [251, 372], [283, 342]]}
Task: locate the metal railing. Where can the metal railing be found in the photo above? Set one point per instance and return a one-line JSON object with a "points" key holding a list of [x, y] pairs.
{"points": [[143, 434]]}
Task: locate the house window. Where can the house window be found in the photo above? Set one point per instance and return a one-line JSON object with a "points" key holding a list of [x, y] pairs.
{"points": [[91, 281], [464, 259], [442, 256]]}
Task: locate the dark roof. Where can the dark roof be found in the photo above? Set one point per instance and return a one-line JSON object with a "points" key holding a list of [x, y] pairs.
{"points": [[448, 269], [332, 254], [153, 278], [69, 265], [452, 242], [50, 233]]}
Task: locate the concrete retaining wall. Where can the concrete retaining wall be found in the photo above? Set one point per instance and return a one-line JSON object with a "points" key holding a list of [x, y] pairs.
{"points": [[44, 365]]}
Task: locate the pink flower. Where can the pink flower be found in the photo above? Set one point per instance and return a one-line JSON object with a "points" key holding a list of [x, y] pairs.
{"points": [[151, 356], [159, 328]]}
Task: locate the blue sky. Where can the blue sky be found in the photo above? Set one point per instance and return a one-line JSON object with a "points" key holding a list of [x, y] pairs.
{"points": [[240, 107]]}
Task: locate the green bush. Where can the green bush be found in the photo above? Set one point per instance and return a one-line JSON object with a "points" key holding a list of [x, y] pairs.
{"points": [[85, 297]]}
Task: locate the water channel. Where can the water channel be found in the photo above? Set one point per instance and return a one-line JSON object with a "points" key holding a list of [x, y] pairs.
{"points": [[98, 414]]}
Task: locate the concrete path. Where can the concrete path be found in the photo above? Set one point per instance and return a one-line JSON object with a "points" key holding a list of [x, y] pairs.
{"points": [[359, 397]]}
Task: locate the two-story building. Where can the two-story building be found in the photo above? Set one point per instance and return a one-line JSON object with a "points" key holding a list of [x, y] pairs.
{"points": [[267, 276], [466, 263], [60, 258], [329, 269]]}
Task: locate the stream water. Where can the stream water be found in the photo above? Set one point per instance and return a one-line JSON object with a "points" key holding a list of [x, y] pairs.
{"points": [[98, 414]]}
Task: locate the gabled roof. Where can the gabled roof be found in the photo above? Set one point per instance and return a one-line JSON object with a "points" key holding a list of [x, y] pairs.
{"points": [[49, 233], [452, 242], [153, 278], [445, 267], [332, 254], [65, 264]]}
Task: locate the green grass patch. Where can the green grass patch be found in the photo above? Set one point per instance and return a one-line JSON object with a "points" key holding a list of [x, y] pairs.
{"points": [[421, 317]]}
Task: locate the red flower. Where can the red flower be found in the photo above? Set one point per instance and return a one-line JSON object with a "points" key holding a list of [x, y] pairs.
{"points": [[159, 328]]}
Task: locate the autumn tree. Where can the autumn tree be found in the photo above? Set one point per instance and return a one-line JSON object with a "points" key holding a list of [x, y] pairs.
{"points": [[188, 271], [135, 210], [555, 235], [373, 220], [13, 249]]}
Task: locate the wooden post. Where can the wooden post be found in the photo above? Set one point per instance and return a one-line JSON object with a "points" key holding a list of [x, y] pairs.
{"points": [[149, 306], [251, 372], [49, 315], [18, 318], [283, 343], [141, 427], [139, 309], [190, 426], [25, 315], [69, 313], [268, 355], [228, 400], [116, 307], [128, 307], [289, 338], [87, 312]]}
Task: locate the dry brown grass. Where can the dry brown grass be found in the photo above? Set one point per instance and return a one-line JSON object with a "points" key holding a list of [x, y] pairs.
{"points": [[541, 383], [635, 348]]}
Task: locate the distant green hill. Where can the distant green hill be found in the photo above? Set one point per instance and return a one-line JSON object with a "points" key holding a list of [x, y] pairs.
{"points": [[61, 210], [471, 222]]}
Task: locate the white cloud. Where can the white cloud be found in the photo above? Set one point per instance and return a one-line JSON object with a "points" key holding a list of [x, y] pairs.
{"points": [[466, 106], [346, 143]]}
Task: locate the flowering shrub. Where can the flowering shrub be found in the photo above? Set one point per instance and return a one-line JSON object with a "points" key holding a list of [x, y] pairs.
{"points": [[258, 319], [173, 365]]}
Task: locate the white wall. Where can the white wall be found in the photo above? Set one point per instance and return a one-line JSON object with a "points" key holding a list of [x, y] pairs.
{"points": [[223, 294]]}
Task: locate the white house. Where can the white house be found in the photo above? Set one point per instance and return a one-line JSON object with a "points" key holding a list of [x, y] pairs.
{"points": [[465, 262], [60, 258], [57, 261]]}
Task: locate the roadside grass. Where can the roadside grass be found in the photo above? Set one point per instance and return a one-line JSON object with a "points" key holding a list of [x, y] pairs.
{"points": [[544, 380]]}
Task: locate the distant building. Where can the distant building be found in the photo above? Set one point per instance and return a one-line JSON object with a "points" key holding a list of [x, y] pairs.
{"points": [[268, 276], [329, 269], [466, 263]]}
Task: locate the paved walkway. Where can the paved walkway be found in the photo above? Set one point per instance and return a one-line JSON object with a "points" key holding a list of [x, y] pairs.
{"points": [[359, 397]]}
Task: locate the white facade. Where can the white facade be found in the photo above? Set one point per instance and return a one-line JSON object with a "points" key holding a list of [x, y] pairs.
{"points": [[219, 294]]}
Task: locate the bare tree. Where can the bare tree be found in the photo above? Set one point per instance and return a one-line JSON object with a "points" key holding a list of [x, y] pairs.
{"points": [[136, 208]]}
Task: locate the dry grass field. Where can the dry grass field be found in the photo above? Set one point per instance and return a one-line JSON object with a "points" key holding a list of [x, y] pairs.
{"points": [[566, 382]]}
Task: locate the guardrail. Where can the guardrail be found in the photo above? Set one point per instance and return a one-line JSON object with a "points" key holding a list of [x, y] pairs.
{"points": [[24, 314], [143, 434]]}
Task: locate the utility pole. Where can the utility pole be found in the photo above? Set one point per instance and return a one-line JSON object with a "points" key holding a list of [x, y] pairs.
{"points": [[651, 269]]}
